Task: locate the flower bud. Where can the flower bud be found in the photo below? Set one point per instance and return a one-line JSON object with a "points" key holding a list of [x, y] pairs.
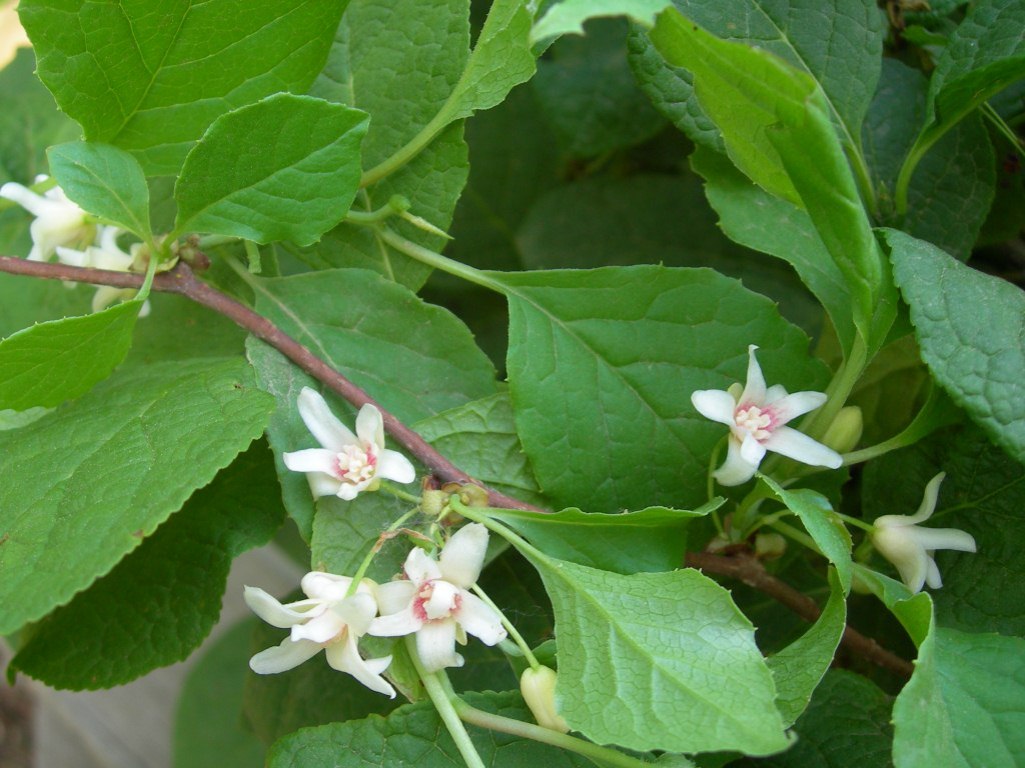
{"points": [[538, 689], [769, 546], [433, 502], [845, 431]]}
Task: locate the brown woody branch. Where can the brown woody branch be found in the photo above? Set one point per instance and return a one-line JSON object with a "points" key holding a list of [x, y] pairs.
{"points": [[182, 280], [746, 568]]}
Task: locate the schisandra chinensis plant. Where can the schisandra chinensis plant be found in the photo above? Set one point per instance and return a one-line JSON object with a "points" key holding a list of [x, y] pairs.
{"points": [[589, 358]]}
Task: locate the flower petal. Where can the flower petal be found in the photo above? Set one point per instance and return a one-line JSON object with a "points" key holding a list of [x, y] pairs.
{"points": [[311, 460], [932, 574], [480, 619], [357, 612], [715, 404], [370, 426], [392, 465], [324, 425], [436, 645], [462, 557], [929, 497], [798, 446], [273, 612], [393, 596], [321, 585], [281, 658], [751, 450], [322, 485], [444, 600], [397, 624], [735, 470], [420, 568], [345, 658], [754, 387], [319, 629], [897, 545], [931, 539], [799, 403]]}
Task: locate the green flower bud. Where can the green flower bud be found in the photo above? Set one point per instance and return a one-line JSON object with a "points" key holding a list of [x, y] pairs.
{"points": [[538, 689], [845, 431], [769, 546]]}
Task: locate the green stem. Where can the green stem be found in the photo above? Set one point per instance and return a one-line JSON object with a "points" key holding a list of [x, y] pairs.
{"points": [[396, 205], [513, 633], [792, 533], [1002, 127], [863, 179], [437, 261], [372, 553], [399, 493], [839, 390], [253, 256], [444, 701], [209, 241], [601, 755], [411, 149], [857, 523], [482, 515], [151, 270]]}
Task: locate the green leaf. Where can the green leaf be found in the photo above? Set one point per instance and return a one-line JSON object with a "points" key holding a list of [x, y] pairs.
{"points": [[754, 218], [589, 95], [602, 364], [480, 438], [650, 540], [25, 301], [838, 43], [208, 729], [776, 126], [100, 474], [952, 187], [415, 735], [345, 531], [822, 522], [847, 725], [102, 638], [29, 121], [150, 78], [971, 328], [569, 16], [309, 695], [285, 168], [63, 359], [965, 704], [984, 494], [416, 359], [682, 653], [105, 181], [798, 668], [985, 54], [914, 612]]}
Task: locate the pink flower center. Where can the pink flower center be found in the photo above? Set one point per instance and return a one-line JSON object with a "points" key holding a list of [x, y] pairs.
{"points": [[755, 420], [355, 465], [436, 599]]}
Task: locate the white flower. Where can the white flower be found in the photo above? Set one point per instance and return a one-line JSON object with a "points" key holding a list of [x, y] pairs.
{"points": [[346, 464], [756, 417], [434, 602], [910, 547], [59, 222], [328, 620], [106, 255]]}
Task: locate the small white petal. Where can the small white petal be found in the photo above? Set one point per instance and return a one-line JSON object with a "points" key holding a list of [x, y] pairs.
{"points": [[311, 460], [392, 465], [394, 596], [932, 574], [897, 545], [734, 471], [715, 404], [283, 657], [403, 622], [774, 393], [751, 451], [436, 645], [420, 568], [319, 629], [462, 557], [754, 387], [798, 446], [932, 539], [322, 423], [25, 197], [325, 586], [443, 600], [791, 406], [370, 425], [480, 620], [929, 497], [273, 612], [357, 612], [322, 484], [349, 491], [345, 658]]}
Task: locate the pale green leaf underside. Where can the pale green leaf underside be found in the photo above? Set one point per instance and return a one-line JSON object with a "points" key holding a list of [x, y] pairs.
{"points": [[62, 359], [87, 473], [150, 76], [285, 168], [658, 661], [105, 181], [602, 364], [971, 328], [965, 704], [569, 16]]}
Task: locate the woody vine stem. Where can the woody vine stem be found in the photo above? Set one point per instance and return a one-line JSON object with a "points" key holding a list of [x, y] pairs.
{"points": [[181, 280]]}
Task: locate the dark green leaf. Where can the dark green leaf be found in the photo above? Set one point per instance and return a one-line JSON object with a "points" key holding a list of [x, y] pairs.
{"points": [[150, 77], [100, 474], [63, 359], [175, 579], [971, 329], [105, 181], [602, 364], [285, 168]]}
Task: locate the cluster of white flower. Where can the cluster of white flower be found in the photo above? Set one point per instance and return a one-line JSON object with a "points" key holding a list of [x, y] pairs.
{"points": [[432, 601], [64, 229]]}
